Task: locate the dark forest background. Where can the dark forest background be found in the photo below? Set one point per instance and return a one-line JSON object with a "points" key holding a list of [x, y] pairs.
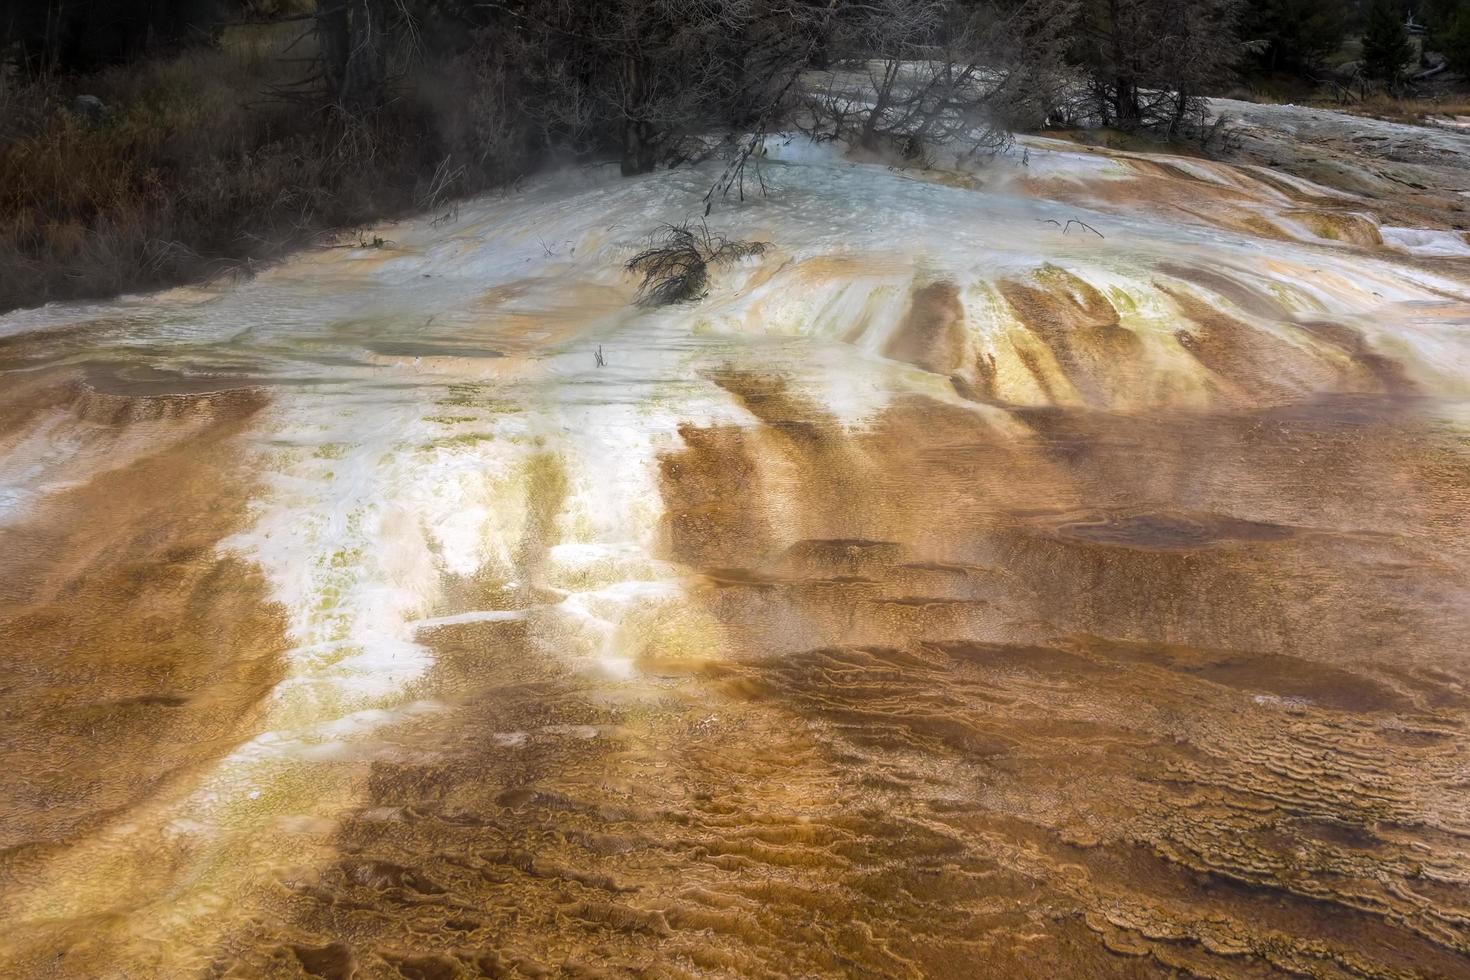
{"points": [[149, 142]]}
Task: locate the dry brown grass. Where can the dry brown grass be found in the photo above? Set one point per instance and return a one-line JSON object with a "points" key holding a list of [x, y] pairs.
{"points": [[1414, 110], [199, 167]]}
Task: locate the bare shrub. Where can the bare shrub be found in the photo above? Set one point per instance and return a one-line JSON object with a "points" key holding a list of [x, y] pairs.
{"points": [[675, 268], [635, 78], [910, 75], [1150, 62]]}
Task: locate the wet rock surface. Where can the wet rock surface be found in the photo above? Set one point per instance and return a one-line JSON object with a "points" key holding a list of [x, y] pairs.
{"points": [[946, 596]]}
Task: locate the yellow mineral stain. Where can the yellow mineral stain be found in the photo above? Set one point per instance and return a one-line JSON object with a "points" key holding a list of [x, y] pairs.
{"points": [[136, 656], [1054, 607], [912, 706]]}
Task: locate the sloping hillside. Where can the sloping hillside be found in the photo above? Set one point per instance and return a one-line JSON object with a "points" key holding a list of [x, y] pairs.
{"points": [[1050, 568]]}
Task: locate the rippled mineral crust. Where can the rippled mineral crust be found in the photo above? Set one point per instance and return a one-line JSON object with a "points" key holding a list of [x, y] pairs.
{"points": [[954, 592]]}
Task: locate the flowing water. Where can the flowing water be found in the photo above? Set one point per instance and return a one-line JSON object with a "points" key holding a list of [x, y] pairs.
{"points": [[954, 592]]}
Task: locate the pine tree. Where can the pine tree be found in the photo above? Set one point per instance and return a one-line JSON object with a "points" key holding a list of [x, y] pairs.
{"points": [[1454, 39], [1297, 34], [1386, 46]]}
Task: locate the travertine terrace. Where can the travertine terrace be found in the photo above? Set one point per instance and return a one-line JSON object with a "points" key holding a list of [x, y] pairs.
{"points": [[958, 590]]}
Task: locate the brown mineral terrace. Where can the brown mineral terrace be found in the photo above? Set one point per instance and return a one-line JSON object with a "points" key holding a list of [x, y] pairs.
{"points": [[955, 591]]}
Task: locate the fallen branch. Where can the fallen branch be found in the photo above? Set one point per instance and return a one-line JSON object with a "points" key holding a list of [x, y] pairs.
{"points": [[1067, 228]]}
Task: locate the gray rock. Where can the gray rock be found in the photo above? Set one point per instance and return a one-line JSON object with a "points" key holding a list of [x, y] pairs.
{"points": [[90, 108]]}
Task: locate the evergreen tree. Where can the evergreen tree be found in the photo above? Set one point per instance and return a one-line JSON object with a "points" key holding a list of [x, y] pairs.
{"points": [[1437, 15], [1453, 39], [1386, 48], [83, 35], [1297, 34]]}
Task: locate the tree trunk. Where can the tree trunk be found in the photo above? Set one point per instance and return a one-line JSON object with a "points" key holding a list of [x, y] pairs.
{"points": [[1125, 104], [868, 138], [639, 151], [352, 39], [1181, 108]]}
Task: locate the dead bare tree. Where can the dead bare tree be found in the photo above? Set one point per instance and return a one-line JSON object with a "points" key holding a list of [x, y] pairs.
{"points": [[639, 76], [910, 75], [353, 37], [1149, 62]]}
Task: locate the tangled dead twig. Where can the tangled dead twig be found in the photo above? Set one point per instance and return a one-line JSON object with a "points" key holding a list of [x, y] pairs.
{"points": [[675, 269], [1067, 228], [439, 184], [448, 217], [751, 148]]}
